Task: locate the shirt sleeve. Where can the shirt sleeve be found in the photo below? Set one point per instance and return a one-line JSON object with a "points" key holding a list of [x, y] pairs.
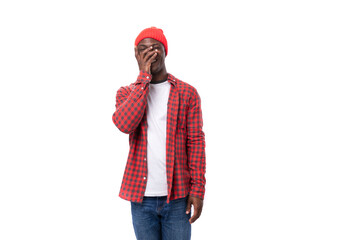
{"points": [[196, 147], [131, 103]]}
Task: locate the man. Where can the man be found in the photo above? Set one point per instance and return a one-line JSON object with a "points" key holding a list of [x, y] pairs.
{"points": [[165, 170]]}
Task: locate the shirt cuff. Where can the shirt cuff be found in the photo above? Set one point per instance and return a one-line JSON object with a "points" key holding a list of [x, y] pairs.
{"points": [[197, 192], [143, 77]]}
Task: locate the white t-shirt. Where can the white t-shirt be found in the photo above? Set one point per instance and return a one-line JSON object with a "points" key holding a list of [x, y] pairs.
{"points": [[156, 111]]}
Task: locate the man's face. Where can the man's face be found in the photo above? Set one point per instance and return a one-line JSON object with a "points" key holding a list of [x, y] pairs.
{"points": [[159, 64]]}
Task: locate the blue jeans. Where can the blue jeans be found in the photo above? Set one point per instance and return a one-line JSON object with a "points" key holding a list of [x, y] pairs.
{"points": [[154, 219]]}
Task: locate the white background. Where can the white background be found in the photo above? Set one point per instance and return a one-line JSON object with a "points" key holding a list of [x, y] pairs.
{"points": [[279, 83]]}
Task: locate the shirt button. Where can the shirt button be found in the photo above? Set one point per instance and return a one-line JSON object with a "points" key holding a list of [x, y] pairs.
{"points": [[144, 159], [142, 88], [144, 178], [147, 77]]}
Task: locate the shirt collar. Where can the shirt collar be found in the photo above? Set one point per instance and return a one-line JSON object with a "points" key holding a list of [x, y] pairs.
{"points": [[172, 79]]}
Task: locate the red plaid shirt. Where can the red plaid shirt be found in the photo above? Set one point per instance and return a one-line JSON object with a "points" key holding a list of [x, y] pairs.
{"points": [[185, 140]]}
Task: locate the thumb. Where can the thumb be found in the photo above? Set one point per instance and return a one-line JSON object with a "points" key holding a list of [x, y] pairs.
{"points": [[188, 207]]}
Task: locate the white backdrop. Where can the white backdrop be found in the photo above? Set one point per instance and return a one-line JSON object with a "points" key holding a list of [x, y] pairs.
{"points": [[279, 83]]}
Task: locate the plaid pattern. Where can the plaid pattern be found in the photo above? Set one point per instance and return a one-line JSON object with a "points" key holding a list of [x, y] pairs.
{"points": [[185, 140]]}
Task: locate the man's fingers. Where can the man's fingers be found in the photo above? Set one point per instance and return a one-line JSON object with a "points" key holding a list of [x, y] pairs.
{"points": [[198, 204], [197, 210], [188, 207], [149, 56], [195, 216], [144, 53], [152, 59], [149, 61]]}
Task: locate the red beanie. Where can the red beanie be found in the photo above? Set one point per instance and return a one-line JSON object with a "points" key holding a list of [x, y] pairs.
{"points": [[155, 33]]}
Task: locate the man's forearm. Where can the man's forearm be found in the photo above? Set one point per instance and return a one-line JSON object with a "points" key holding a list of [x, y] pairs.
{"points": [[131, 103], [197, 165], [196, 147]]}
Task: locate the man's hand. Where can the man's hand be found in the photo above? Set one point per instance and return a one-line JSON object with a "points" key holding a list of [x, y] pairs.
{"points": [[145, 58], [198, 205]]}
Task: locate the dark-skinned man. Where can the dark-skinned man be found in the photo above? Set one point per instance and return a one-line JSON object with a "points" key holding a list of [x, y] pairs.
{"points": [[165, 171]]}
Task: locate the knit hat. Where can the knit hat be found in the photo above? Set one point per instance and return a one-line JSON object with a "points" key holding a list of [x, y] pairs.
{"points": [[154, 33]]}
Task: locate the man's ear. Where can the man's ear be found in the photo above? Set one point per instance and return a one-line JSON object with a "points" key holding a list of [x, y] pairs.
{"points": [[136, 51]]}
